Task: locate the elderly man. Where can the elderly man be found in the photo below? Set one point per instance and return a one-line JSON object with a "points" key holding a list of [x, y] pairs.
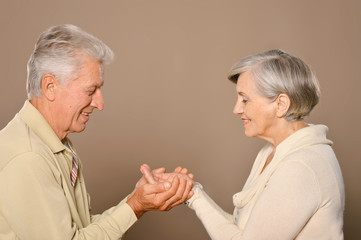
{"points": [[42, 189]]}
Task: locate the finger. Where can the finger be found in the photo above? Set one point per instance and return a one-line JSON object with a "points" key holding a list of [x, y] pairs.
{"points": [[191, 175], [166, 176], [184, 171], [163, 176], [165, 196], [147, 174], [146, 166], [159, 170], [177, 197], [186, 194], [191, 193], [160, 177], [178, 169]]}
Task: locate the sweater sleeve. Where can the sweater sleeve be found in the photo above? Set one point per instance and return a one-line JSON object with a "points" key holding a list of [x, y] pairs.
{"points": [[218, 223], [290, 198], [35, 207]]}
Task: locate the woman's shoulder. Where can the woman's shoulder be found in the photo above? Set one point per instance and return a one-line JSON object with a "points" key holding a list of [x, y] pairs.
{"points": [[314, 156], [317, 162]]}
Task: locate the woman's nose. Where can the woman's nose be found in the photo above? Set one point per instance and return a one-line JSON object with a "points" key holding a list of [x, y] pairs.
{"points": [[238, 108]]}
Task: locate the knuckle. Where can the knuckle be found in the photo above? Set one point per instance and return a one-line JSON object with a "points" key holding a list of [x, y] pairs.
{"points": [[157, 202]]}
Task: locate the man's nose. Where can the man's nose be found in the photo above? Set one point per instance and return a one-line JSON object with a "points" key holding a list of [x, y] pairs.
{"points": [[97, 101]]}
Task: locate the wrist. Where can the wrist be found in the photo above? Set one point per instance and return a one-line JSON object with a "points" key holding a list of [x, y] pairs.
{"points": [[196, 186], [135, 206]]}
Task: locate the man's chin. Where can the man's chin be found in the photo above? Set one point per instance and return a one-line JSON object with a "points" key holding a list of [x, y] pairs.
{"points": [[79, 129]]}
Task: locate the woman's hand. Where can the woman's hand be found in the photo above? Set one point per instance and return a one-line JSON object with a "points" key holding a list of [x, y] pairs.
{"points": [[163, 176], [159, 175], [157, 190]]}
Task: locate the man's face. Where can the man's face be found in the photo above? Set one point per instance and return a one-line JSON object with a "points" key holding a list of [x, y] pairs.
{"points": [[77, 99]]}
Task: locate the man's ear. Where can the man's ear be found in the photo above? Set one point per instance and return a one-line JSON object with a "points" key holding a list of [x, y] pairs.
{"points": [[49, 85], [283, 104]]}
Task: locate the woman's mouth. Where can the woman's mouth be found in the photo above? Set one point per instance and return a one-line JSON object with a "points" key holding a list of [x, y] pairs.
{"points": [[246, 121]]}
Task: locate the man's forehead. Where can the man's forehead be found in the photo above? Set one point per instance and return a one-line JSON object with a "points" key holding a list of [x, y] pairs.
{"points": [[95, 82]]}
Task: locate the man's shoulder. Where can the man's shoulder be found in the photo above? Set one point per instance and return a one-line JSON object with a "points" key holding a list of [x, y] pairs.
{"points": [[17, 139], [14, 137]]}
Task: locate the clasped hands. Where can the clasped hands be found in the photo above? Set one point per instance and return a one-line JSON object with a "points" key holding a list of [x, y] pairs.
{"points": [[158, 190]]}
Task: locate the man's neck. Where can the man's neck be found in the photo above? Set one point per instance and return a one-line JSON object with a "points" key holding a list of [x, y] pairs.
{"points": [[46, 110]]}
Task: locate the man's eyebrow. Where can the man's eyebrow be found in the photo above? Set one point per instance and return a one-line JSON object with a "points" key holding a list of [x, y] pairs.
{"points": [[94, 86], [241, 93], [98, 85]]}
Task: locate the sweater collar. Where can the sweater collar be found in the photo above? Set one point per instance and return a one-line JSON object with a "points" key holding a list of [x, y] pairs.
{"points": [[311, 135], [305, 137]]}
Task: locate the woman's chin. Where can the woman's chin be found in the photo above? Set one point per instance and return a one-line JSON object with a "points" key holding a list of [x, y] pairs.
{"points": [[248, 133]]}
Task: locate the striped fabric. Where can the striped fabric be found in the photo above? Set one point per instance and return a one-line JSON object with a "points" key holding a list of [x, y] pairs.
{"points": [[74, 171]]}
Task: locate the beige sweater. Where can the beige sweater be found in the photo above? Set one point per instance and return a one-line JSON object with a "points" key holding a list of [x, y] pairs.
{"points": [[300, 195]]}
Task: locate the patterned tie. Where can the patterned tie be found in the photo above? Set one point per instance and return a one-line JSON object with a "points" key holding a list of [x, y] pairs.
{"points": [[74, 171]]}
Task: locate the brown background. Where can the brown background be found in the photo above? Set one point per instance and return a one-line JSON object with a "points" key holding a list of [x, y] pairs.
{"points": [[167, 100]]}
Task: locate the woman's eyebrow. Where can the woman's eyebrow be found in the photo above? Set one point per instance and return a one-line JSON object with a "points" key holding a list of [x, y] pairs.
{"points": [[241, 93]]}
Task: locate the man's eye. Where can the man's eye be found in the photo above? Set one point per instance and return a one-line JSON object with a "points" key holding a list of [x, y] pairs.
{"points": [[244, 100]]}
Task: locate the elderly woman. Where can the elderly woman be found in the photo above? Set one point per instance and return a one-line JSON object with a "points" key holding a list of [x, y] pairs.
{"points": [[295, 189]]}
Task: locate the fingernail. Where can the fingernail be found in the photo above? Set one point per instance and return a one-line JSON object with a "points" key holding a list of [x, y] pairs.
{"points": [[166, 185]]}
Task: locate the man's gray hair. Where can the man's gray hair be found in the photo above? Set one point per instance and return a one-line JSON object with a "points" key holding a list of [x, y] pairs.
{"points": [[275, 72], [60, 51]]}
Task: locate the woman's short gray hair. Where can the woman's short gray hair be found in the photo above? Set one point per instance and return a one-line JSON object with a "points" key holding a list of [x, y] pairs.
{"points": [[60, 51], [275, 72]]}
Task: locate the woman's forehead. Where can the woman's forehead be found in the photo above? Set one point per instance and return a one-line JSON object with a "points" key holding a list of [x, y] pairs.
{"points": [[244, 82]]}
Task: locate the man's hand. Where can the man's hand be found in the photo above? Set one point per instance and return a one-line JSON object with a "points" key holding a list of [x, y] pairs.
{"points": [[153, 193]]}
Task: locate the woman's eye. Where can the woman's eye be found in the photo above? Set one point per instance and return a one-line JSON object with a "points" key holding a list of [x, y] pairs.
{"points": [[244, 100]]}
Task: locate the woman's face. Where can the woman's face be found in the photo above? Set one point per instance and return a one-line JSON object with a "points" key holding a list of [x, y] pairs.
{"points": [[257, 112]]}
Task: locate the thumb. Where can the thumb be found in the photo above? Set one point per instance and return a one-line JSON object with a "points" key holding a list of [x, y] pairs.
{"points": [[147, 174]]}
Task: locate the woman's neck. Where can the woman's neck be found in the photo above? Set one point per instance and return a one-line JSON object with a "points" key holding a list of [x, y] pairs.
{"points": [[283, 130], [279, 134]]}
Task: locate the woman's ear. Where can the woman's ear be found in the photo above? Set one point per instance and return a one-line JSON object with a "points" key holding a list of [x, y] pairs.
{"points": [[49, 85], [283, 104]]}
